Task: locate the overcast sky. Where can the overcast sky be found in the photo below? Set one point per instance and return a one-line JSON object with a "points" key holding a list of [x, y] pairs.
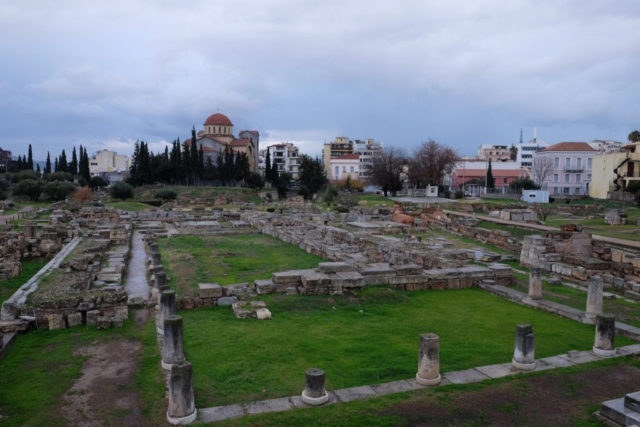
{"points": [[464, 72]]}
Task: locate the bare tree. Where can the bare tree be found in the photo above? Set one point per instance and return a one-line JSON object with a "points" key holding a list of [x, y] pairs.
{"points": [[541, 168], [431, 161], [388, 170], [542, 210]]}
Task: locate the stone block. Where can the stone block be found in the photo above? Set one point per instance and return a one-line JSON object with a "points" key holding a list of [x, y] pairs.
{"points": [[335, 267], [209, 290], [74, 319], [225, 301], [92, 317], [238, 289], [407, 269], [56, 321], [291, 291], [103, 322], [264, 287], [263, 314], [117, 321], [313, 279], [348, 279], [287, 277]]}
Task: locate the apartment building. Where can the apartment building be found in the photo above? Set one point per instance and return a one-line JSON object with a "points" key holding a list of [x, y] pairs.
{"points": [[571, 168]]}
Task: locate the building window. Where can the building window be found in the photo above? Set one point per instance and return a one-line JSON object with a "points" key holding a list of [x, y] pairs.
{"points": [[578, 191], [589, 177], [556, 162], [351, 169], [578, 178], [567, 190], [589, 160], [567, 177], [567, 162], [555, 177], [337, 171], [555, 190], [579, 162], [344, 169]]}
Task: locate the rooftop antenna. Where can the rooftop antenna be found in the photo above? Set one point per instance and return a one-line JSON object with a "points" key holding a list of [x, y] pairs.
{"points": [[535, 134], [521, 136]]}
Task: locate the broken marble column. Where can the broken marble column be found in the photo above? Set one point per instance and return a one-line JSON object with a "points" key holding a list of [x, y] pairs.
{"points": [[161, 284], [605, 335], [167, 308], [314, 393], [182, 409], [535, 283], [429, 360], [172, 352], [594, 297], [523, 354], [156, 258]]}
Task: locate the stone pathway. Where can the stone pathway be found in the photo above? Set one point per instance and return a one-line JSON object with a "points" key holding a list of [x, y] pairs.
{"points": [[136, 284], [220, 413]]}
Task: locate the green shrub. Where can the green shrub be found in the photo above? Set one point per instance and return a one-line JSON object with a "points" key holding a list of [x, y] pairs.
{"points": [[459, 194], [97, 182], [121, 190], [58, 190], [271, 209], [30, 188], [57, 176], [166, 194], [154, 202], [633, 187], [342, 209], [304, 192]]}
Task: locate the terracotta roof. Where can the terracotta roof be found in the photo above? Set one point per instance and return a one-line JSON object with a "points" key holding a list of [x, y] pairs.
{"points": [[348, 157], [206, 149], [569, 146], [200, 133], [186, 142], [240, 142], [218, 119]]}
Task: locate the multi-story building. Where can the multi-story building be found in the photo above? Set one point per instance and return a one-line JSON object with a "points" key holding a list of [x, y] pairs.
{"points": [[495, 153], [569, 170], [472, 171], [5, 160], [285, 155], [606, 146], [343, 167], [526, 151], [109, 165], [366, 148], [612, 172]]}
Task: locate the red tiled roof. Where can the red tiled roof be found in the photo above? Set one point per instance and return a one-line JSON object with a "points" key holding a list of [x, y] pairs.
{"points": [[218, 119], [240, 142], [348, 157], [569, 146]]}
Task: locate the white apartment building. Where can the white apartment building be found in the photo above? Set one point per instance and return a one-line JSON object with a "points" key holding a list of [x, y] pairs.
{"points": [[497, 153], [526, 151], [605, 146], [367, 149], [110, 165], [572, 168], [286, 157]]}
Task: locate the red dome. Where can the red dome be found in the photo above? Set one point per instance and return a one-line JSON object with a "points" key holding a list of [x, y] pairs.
{"points": [[218, 119]]}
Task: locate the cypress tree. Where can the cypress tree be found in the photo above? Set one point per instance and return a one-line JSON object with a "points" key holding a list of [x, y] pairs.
{"points": [[193, 163], [73, 166], [62, 163], [47, 165], [56, 166], [491, 182], [267, 170], [30, 158]]}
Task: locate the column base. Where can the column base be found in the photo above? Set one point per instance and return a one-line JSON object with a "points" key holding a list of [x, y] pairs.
{"points": [[166, 366], [425, 381], [523, 366], [604, 353], [534, 297], [315, 401], [181, 421], [159, 330]]}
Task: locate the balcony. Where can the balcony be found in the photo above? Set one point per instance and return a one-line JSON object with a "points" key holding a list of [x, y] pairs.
{"points": [[573, 168]]}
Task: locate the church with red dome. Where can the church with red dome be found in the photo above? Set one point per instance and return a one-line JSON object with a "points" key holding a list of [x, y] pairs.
{"points": [[218, 134]]}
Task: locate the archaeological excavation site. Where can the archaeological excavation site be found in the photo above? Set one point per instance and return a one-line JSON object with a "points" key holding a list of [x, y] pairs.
{"points": [[233, 312]]}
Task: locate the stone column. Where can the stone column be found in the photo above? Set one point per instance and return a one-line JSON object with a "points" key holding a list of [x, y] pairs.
{"points": [[429, 360], [314, 393], [594, 297], [182, 408], [167, 308], [156, 259], [535, 283], [523, 355], [605, 335], [172, 352]]}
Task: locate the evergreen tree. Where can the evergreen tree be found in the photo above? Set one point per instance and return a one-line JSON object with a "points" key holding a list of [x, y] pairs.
{"points": [[135, 159], [193, 156], [229, 167], [185, 165], [220, 167], [267, 167], [47, 165], [73, 165], [200, 163], [175, 159], [56, 166], [84, 169], [62, 163], [38, 169], [491, 182], [30, 159], [312, 174]]}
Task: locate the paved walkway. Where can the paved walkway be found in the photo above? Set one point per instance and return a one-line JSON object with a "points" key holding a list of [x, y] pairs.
{"points": [[422, 200], [612, 240], [22, 213]]}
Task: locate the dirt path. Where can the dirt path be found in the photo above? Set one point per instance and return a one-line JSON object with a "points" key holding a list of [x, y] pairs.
{"points": [[548, 400], [106, 393]]}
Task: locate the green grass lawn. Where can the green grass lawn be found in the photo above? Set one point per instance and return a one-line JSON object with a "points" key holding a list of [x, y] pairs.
{"points": [[369, 339], [29, 268], [373, 199], [41, 366], [242, 195], [516, 232], [228, 259]]}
